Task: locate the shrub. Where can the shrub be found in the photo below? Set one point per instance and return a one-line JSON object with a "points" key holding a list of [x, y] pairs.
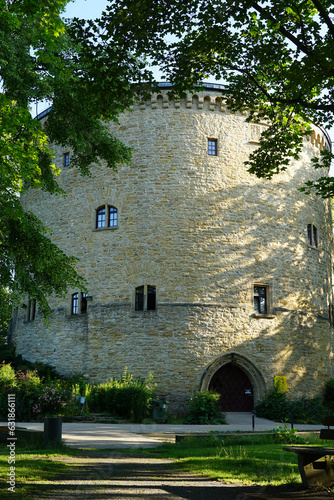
{"points": [[329, 395], [274, 406], [204, 409], [128, 398], [308, 410], [283, 435], [7, 377], [52, 401]]}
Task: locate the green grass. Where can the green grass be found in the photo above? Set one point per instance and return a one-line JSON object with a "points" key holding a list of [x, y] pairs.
{"points": [[244, 460], [238, 459], [38, 465]]}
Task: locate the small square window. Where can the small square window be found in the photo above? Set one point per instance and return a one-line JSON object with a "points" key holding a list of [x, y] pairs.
{"points": [[212, 147], [260, 299], [66, 159]]}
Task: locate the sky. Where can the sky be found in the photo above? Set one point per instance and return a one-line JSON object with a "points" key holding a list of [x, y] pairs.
{"points": [[85, 9]]}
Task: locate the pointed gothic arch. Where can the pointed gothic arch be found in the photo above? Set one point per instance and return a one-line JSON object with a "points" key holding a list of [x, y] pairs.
{"points": [[241, 371]]}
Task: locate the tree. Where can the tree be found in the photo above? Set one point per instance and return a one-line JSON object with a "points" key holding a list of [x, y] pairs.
{"points": [[88, 82], [276, 59]]}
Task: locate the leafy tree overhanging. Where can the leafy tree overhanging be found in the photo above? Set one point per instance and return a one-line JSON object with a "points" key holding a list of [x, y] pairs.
{"points": [[87, 79], [275, 57]]}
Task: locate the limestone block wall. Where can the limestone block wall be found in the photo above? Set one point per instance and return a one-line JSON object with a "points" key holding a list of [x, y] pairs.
{"points": [[202, 231]]}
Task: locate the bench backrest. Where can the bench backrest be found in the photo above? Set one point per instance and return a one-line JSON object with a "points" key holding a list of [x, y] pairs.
{"points": [[328, 420], [327, 433]]}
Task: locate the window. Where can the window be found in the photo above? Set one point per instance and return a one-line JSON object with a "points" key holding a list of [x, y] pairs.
{"points": [[112, 216], [79, 303], [145, 298], [139, 306], [66, 159], [212, 147], [101, 217], [312, 235], [260, 299], [31, 310], [83, 303], [75, 303]]}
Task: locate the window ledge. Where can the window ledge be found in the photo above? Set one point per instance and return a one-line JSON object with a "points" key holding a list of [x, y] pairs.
{"points": [[313, 247], [140, 313], [112, 228], [264, 316]]}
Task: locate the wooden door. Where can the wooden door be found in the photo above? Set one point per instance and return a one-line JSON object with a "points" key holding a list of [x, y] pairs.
{"points": [[235, 388]]}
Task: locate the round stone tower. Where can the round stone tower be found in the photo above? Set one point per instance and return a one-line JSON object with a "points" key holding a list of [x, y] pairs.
{"points": [[197, 271]]}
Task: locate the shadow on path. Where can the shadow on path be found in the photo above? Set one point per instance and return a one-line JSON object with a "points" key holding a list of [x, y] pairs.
{"points": [[113, 475]]}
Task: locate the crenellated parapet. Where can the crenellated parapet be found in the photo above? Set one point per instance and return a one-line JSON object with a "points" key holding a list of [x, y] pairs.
{"points": [[211, 100]]}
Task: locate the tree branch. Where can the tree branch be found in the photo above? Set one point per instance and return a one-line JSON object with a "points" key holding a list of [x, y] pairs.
{"points": [[264, 13], [324, 15]]}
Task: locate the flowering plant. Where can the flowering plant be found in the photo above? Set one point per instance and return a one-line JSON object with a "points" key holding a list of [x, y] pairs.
{"points": [[52, 401]]}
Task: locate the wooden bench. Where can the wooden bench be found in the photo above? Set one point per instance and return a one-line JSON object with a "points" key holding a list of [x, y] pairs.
{"points": [[316, 464]]}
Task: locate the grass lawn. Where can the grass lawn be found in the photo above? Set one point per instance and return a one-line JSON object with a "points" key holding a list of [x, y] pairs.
{"points": [[236, 461], [243, 460]]}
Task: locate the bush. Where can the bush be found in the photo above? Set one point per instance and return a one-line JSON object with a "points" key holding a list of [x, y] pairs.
{"points": [[204, 409], [7, 377], [53, 401], [128, 398], [329, 396], [308, 410], [276, 406], [25, 386], [283, 435]]}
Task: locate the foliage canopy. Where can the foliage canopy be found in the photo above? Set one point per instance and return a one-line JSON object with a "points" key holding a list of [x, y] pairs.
{"points": [[276, 59], [88, 81]]}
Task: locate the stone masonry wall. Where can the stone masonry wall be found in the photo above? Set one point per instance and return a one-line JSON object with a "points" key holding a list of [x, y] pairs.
{"points": [[203, 231]]}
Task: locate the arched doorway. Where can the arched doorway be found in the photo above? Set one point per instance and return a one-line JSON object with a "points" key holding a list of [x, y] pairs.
{"points": [[234, 387], [237, 379]]}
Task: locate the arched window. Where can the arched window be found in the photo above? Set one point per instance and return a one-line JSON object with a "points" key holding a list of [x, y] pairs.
{"points": [[145, 298], [112, 217]]}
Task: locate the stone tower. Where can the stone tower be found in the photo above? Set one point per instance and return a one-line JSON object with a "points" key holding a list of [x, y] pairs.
{"points": [[197, 271]]}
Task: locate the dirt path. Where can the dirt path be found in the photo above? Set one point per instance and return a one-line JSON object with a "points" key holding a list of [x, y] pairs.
{"points": [[118, 476]]}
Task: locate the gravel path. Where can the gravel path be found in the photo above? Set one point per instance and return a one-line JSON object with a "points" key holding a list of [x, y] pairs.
{"points": [[117, 476]]}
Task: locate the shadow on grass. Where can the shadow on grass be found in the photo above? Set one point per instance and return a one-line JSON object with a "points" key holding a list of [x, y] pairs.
{"points": [[61, 474]]}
